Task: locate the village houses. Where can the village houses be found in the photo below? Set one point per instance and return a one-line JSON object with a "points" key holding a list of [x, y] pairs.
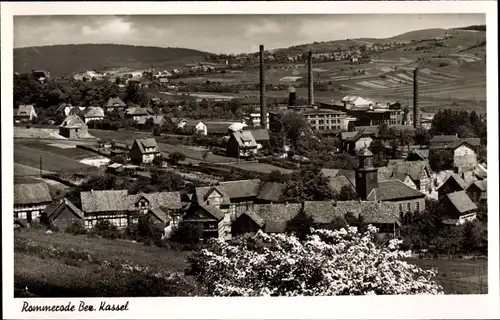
{"points": [[144, 150]]}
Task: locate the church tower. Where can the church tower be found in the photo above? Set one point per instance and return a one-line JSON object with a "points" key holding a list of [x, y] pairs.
{"points": [[366, 174]]}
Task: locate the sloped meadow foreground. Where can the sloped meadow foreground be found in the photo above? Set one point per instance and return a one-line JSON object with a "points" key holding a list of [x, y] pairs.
{"points": [[341, 262]]}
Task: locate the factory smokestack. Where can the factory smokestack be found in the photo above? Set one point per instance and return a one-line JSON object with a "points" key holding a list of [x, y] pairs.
{"points": [[263, 111], [310, 79], [292, 97], [416, 109]]}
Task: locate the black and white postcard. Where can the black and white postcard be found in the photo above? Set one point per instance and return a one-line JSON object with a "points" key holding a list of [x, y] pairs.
{"points": [[250, 160]]}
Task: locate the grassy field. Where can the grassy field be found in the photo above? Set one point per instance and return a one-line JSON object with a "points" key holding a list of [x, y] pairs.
{"points": [[49, 274], [128, 137], [51, 160], [459, 276], [70, 151], [68, 273]]}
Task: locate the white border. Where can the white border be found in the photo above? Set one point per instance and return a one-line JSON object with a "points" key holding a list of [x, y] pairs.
{"points": [[388, 307]]}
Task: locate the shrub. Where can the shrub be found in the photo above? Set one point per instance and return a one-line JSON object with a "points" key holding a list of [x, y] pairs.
{"points": [[343, 262], [105, 229], [187, 233], [76, 228]]}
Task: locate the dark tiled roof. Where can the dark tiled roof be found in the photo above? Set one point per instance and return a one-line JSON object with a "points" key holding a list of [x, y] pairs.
{"points": [[271, 191], [277, 216], [156, 119], [444, 138], [215, 212], [461, 201], [252, 215], [481, 185], [170, 200], [393, 190], [241, 188], [160, 213], [323, 212], [201, 194], [147, 143], [55, 208], [31, 193], [105, 201], [461, 182]]}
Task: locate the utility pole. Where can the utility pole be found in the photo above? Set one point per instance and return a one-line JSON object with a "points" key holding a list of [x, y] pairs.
{"points": [[238, 153], [40, 166]]}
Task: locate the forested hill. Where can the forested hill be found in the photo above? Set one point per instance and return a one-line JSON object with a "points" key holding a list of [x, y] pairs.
{"points": [[67, 59]]}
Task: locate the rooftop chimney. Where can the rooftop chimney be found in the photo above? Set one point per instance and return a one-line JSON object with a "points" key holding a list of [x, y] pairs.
{"points": [[263, 112], [416, 109], [310, 79]]}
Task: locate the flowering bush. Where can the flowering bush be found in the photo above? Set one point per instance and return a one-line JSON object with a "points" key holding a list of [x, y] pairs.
{"points": [[343, 262]]}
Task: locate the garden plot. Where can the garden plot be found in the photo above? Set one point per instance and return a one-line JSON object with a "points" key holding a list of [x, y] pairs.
{"points": [[37, 133], [371, 85]]}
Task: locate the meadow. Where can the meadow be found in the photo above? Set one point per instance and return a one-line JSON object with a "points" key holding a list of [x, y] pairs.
{"points": [[75, 265]]}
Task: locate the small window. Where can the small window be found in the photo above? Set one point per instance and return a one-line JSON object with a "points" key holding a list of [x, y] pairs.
{"points": [[408, 206], [418, 206]]}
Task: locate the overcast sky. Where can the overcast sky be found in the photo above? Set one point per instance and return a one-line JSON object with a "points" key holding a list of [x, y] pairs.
{"points": [[225, 33]]}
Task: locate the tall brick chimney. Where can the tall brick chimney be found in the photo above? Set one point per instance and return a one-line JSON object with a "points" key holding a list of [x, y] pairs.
{"points": [[263, 111], [310, 81], [416, 108]]}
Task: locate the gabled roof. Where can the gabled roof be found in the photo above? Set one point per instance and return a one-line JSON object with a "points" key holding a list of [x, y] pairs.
{"points": [[115, 102], [277, 216], [105, 201], [271, 191], [348, 136], [371, 130], [252, 215], [454, 177], [412, 168], [31, 193], [422, 154], [160, 213], [241, 188], [146, 143], [213, 211], [54, 209], [92, 112], [392, 190], [170, 200], [244, 136], [472, 142], [481, 185], [73, 121], [260, 134], [25, 110], [201, 194], [461, 201]]}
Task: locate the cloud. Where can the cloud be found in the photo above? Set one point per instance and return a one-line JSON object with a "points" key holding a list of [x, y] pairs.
{"points": [[265, 28], [114, 26]]}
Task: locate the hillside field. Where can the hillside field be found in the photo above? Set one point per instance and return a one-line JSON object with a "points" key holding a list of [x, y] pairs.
{"points": [[65, 276]]}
